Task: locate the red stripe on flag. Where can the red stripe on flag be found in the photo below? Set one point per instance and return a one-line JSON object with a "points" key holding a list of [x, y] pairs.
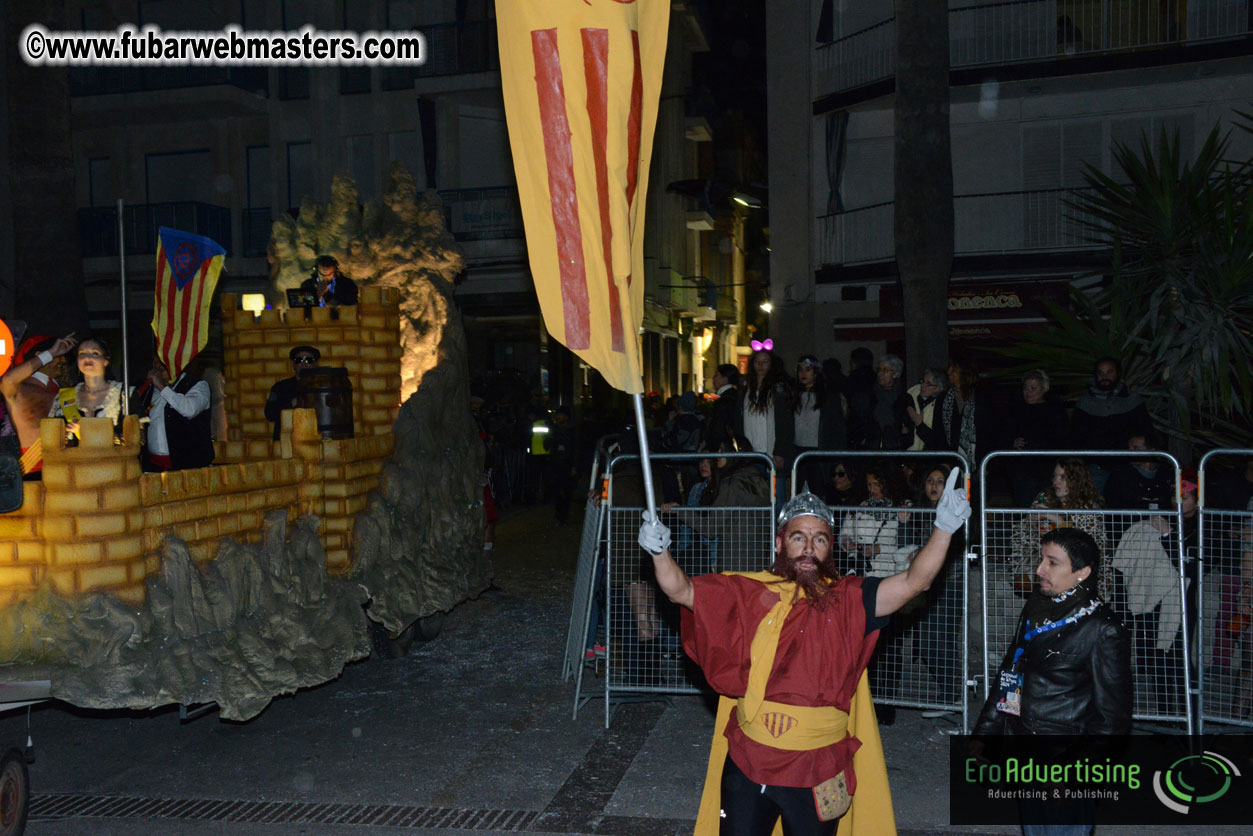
{"points": [[633, 121], [184, 317], [633, 127], [171, 298], [191, 337], [596, 70], [561, 188]]}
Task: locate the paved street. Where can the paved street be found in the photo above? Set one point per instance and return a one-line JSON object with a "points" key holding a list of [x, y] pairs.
{"points": [[470, 731]]}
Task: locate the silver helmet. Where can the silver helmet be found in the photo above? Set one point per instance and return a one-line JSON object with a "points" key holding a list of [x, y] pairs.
{"points": [[806, 504]]}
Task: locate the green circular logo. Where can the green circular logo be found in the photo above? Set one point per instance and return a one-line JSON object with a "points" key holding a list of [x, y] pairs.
{"points": [[1194, 779]]}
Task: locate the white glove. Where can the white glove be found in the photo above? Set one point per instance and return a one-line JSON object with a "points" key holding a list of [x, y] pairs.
{"points": [[953, 509], [654, 537]]}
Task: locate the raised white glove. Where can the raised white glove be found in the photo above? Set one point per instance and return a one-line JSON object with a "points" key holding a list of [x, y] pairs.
{"points": [[654, 537], [953, 509]]}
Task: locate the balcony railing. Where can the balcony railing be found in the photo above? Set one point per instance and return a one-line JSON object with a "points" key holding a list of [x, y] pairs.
{"points": [[98, 226], [1008, 222], [97, 81], [482, 214], [1025, 31], [451, 49]]}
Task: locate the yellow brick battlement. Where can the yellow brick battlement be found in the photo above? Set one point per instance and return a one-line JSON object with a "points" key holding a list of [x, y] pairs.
{"points": [[362, 338]]}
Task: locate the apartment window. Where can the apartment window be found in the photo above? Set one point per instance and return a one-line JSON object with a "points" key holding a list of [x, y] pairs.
{"points": [[359, 151], [1131, 132], [404, 147], [1054, 158], [100, 192], [299, 172], [178, 176], [356, 17], [260, 176], [483, 149]]}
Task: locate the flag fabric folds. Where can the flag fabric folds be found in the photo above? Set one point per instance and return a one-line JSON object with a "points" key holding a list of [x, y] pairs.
{"points": [[188, 266], [582, 80]]}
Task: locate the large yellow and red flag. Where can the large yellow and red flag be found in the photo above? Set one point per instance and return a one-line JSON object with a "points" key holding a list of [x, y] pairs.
{"points": [[188, 266], [582, 79]]}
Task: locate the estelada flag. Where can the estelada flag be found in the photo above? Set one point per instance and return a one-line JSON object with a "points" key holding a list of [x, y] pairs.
{"points": [[187, 274], [582, 79]]}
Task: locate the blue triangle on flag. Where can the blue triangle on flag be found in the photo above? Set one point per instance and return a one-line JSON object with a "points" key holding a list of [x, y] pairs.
{"points": [[186, 253]]}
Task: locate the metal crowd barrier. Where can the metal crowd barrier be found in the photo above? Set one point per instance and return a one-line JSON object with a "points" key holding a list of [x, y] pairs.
{"points": [[584, 573], [1225, 550], [922, 658], [1144, 565], [644, 654]]}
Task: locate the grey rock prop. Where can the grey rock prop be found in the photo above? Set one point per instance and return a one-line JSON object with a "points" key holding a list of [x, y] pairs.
{"points": [[251, 624], [418, 546]]}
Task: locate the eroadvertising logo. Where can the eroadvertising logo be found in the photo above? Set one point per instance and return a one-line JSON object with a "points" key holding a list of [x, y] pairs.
{"points": [[1194, 779], [1125, 780]]}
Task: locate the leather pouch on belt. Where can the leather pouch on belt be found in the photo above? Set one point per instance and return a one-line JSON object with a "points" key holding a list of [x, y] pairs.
{"points": [[831, 798]]}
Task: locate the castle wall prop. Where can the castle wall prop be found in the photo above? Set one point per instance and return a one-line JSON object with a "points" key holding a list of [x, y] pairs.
{"points": [[96, 522]]}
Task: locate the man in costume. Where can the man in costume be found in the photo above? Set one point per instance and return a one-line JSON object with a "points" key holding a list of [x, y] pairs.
{"points": [[787, 649], [1067, 672], [30, 386], [180, 435]]}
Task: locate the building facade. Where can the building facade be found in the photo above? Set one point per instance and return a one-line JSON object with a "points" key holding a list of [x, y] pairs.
{"points": [[224, 151], [1039, 89]]}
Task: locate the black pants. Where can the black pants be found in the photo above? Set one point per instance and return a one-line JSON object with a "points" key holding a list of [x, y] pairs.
{"points": [[750, 809]]}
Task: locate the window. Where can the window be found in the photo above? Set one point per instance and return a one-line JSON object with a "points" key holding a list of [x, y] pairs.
{"points": [[483, 149], [99, 190], [179, 176], [1054, 157], [299, 172], [404, 147], [359, 151], [260, 176]]}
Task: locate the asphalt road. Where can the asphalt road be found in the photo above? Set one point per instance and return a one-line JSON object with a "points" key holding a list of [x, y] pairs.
{"points": [[471, 731]]}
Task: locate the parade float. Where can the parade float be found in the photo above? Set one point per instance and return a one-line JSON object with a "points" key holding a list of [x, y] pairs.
{"points": [[251, 578]]}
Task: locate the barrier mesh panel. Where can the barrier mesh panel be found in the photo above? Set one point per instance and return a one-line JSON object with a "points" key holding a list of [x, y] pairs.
{"points": [[644, 650], [1226, 632]]}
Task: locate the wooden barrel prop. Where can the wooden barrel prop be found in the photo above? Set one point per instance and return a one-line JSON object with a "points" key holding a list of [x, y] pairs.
{"points": [[328, 392]]}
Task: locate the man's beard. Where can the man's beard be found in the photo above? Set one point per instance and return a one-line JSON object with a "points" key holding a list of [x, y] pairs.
{"points": [[815, 581]]}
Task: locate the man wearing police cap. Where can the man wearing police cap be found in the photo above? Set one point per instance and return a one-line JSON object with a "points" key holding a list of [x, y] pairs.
{"points": [[788, 648]]}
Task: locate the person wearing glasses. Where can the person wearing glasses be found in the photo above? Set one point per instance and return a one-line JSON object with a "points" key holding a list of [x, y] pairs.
{"points": [[286, 393]]}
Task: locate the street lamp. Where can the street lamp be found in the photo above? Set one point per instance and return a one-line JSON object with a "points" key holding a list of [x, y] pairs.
{"points": [[766, 306]]}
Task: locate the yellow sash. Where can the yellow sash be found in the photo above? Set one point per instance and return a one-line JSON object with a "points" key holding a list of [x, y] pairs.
{"points": [[797, 728], [871, 811]]}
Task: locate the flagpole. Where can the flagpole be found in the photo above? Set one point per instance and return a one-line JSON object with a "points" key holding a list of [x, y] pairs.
{"points": [[121, 257], [645, 465]]}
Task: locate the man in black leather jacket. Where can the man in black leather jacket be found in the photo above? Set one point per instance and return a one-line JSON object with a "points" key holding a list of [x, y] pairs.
{"points": [[1068, 670]]}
